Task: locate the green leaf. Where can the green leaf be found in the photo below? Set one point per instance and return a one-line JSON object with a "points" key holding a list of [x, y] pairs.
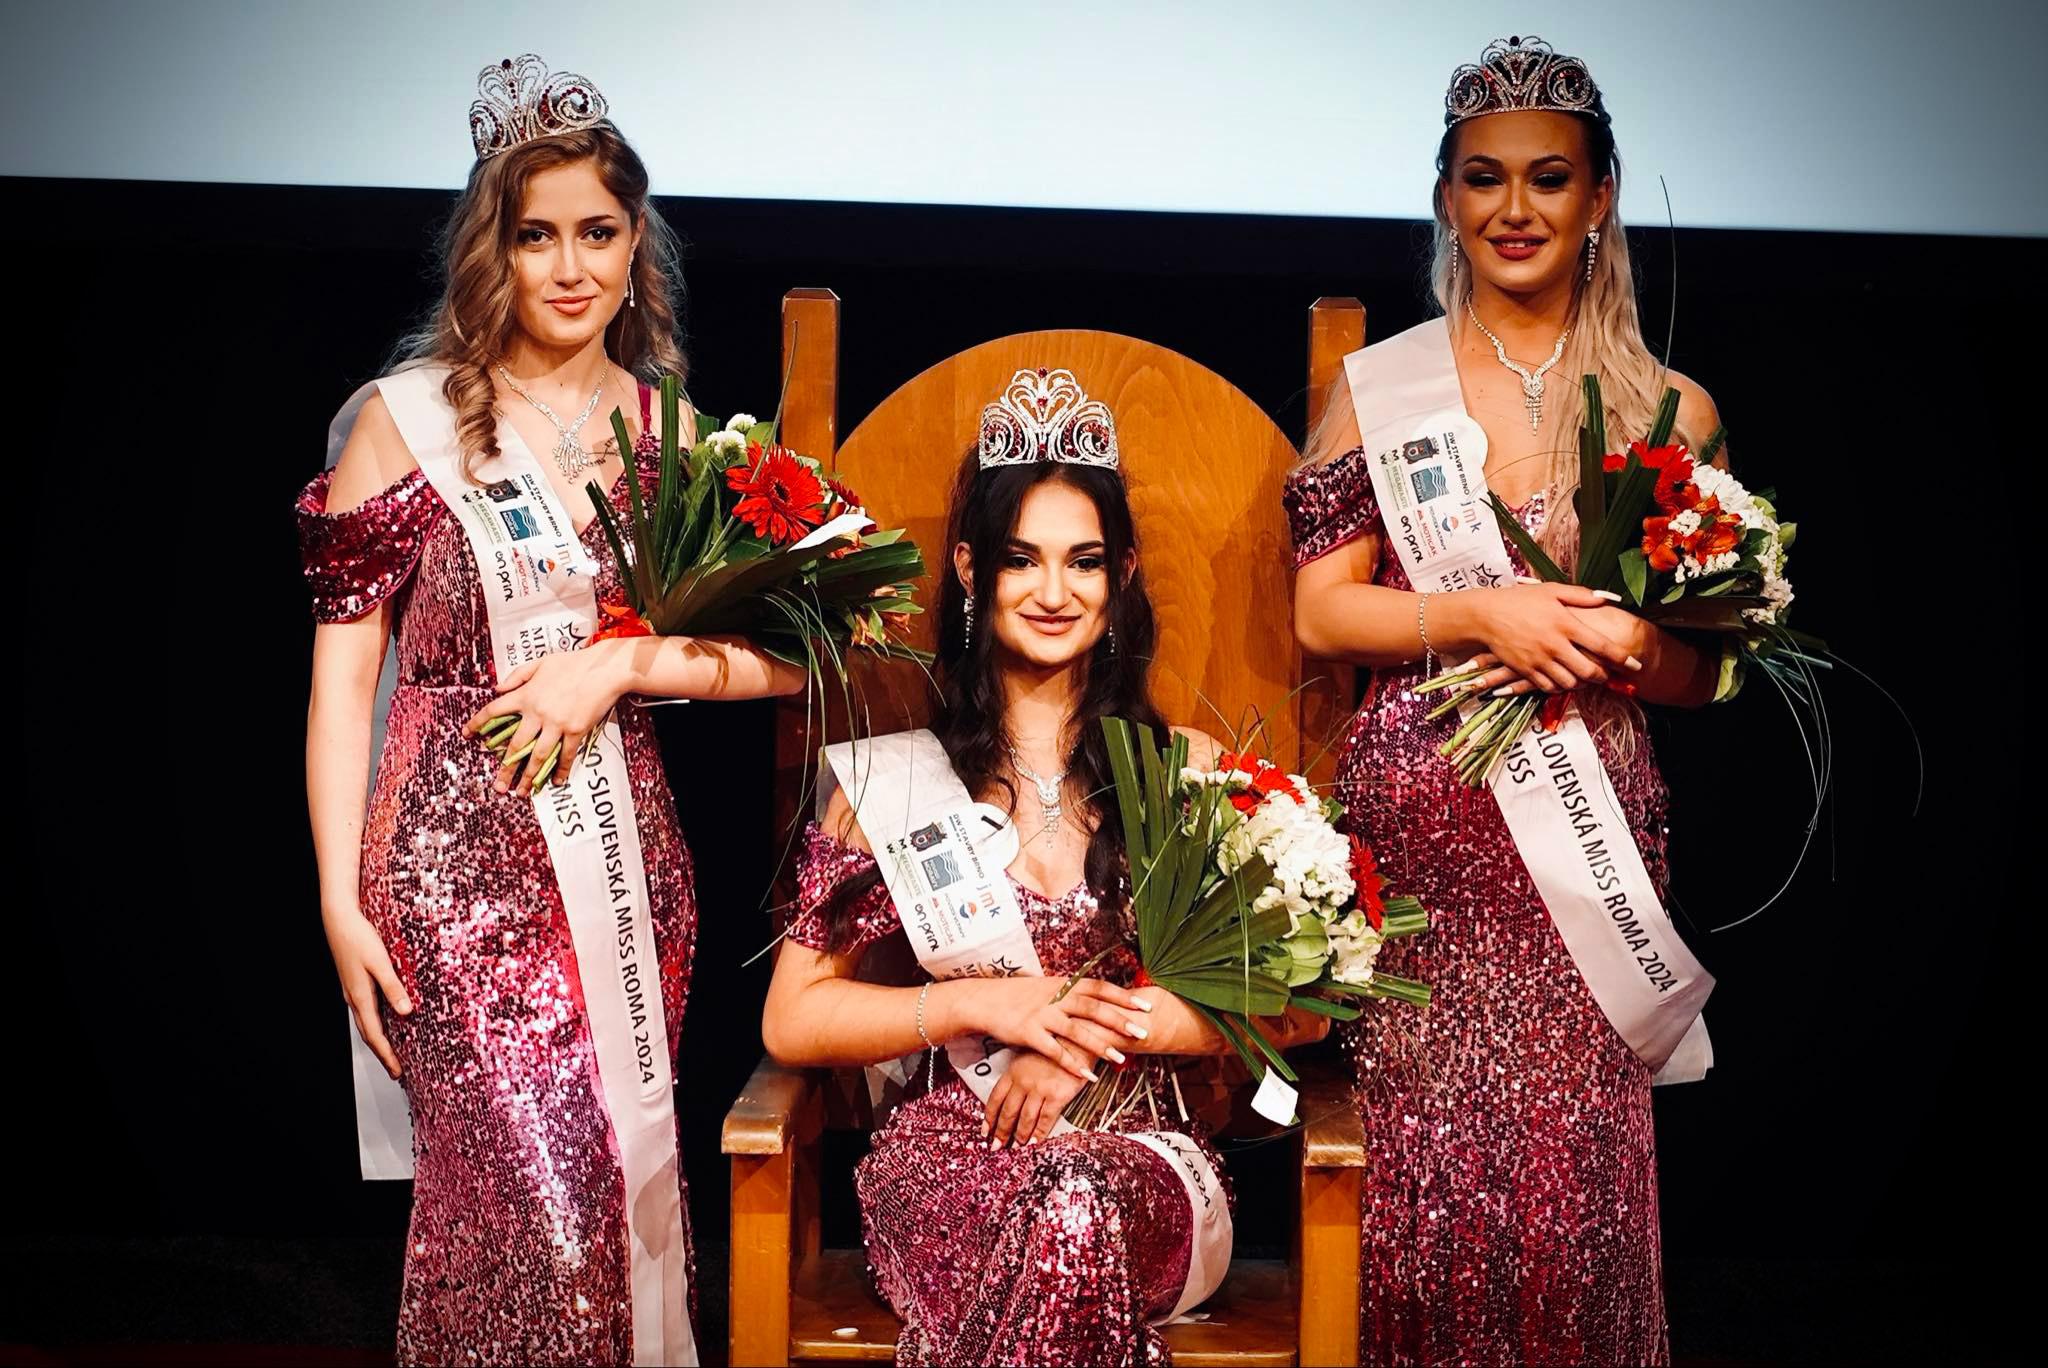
{"points": [[1249, 992], [1591, 498], [1712, 446], [1665, 421], [761, 434], [1635, 574], [706, 425], [1674, 593], [1538, 559], [1322, 1006]]}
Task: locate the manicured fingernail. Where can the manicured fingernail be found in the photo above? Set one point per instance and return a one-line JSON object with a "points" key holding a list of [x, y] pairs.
{"points": [[1090, 1075], [1609, 595], [995, 1144], [1115, 1054], [1504, 691], [1143, 1005], [1133, 1028], [1634, 664]]}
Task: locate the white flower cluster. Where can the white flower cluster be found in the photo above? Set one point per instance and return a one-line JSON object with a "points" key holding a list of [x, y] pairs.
{"points": [[1755, 514], [741, 422], [1311, 862], [1354, 946], [726, 439]]}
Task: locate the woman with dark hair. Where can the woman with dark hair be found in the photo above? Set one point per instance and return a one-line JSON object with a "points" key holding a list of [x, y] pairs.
{"points": [[997, 1233], [529, 940], [1511, 1201]]}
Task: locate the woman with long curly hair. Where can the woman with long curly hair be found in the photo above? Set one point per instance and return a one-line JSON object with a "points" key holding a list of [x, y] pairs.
{"points": [[514, 938]]}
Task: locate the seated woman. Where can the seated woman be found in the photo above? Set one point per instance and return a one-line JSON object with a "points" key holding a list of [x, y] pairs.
{"points": [[994, 1238]]}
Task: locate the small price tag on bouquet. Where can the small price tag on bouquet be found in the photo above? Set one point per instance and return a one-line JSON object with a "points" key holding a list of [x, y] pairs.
{"points": [[1275, 1099]]}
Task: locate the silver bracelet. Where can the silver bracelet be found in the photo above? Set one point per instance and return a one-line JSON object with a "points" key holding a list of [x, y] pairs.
{"points": [[931, 1059]]}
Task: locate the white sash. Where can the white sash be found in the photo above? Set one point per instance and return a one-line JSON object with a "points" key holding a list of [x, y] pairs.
{"points": [[540, 595], [1427, 457], [944, 859]]}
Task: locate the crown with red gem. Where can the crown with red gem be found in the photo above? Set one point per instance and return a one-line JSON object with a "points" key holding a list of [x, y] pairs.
{"points": [[1044, 416], [1520, 73], [519, 100]]}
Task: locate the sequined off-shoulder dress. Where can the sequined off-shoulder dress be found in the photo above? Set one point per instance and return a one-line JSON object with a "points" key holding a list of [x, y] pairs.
{"points": [[1053, 1253], [1510, 1207], [516, 1252]]}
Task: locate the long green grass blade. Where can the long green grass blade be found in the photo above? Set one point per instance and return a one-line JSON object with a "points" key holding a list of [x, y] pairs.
{"points": [[1539, 560]]}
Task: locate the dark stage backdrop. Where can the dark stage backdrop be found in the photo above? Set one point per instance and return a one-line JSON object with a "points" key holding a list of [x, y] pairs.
{"points": [[182, 1027]]}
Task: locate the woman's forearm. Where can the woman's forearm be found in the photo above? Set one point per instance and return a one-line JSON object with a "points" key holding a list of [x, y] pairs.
{"points": [[702, 667], [1370, 624], [841, 1022], [347, 658]]}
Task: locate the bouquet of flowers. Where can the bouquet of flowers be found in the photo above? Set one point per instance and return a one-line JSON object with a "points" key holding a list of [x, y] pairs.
{"points": [[1674, 539], [1246, 898], [746, 537]]}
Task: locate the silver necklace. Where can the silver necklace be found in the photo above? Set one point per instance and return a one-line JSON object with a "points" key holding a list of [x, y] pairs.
{"points": [[568, 452], [1049, 792], [1532, 381]]}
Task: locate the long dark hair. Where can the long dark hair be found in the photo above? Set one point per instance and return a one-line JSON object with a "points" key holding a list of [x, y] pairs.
{"points": [[968, 720]]}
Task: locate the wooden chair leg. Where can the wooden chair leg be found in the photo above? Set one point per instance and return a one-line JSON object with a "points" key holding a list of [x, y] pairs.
{"points": [[1327, 1227], [771, 1136]]}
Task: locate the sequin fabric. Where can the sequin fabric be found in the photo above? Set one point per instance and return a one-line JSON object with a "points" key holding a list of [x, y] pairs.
{"points": [[516, 1252], [1510, 1207], [1053, 1253]]}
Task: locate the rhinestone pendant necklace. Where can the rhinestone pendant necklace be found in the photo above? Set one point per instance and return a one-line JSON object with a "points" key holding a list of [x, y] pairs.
{"points": [[1532, 381], [1049, 792], [568, 452]]}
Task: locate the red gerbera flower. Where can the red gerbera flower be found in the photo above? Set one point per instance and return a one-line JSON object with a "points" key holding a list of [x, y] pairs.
{"points": [[781, 498], [1267, 779], [624, 623], [1365, 872], [1613, 461], [1656, 458]]}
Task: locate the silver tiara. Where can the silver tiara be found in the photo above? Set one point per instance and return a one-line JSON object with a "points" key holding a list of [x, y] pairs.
{"points": [[1520, 73], [519, 100], [1044, 416]]}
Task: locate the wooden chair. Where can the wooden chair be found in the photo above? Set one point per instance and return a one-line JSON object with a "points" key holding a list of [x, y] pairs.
{"points": [[1205, 466]]}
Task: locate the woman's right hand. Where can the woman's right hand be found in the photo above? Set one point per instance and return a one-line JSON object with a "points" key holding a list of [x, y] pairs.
{"points": [[1538, 633], [364, 966], [1073, 1029]]}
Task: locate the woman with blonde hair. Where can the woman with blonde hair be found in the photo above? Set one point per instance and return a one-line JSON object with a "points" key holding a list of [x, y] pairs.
{"points": [[1511, 1202], [514, 938]]}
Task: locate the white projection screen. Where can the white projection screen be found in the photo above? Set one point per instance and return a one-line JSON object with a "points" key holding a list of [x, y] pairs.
{"points": [[1855, 115]]}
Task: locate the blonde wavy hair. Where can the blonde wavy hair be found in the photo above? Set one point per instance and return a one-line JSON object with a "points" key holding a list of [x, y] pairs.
{"points": [[1607, 334], [1607, 340], [471, 328]]}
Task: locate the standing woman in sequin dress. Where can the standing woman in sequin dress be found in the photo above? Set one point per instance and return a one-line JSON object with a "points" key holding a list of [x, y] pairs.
{"points": [[443, 906], [995, 1241], [1511, 1202]]}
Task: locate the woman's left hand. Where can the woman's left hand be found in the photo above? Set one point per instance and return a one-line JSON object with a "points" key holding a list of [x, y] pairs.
{"points": [[560, 698], [1628, 631], [1028, 1100]]}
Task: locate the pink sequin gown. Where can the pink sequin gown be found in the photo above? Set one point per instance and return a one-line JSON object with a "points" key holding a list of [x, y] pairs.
{"points": [[1510, 1208], [1055, 1253], [516, 1251]]}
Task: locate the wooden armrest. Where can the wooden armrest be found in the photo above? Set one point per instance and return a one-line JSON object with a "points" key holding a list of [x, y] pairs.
{"points": [[1332, 1131], [774, 1111]]}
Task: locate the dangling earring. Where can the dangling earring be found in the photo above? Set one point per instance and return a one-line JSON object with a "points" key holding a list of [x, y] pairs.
{"points": [[1454, 260], [632, 300], [967, 635], [1112, 641], [1592, 250]]}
